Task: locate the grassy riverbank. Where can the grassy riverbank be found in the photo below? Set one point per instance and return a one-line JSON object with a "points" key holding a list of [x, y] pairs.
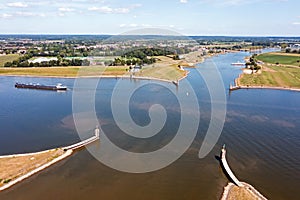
{"points": [[165, 68], [63, 71], [273, 76], [285, 74]]}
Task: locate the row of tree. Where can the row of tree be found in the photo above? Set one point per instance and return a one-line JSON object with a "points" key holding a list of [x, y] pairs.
{"points": [[252, 64], [144, 52], [141, 56], [132, 61], [51, 63]]}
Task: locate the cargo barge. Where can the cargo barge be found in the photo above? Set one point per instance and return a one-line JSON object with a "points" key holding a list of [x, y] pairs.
{"points": [[41, 87]]}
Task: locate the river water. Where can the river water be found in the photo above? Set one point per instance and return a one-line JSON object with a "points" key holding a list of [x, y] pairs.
{"points": [[261, 133]]}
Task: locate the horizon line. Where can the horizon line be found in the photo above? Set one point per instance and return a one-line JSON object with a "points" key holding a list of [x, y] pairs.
{"points": [[107, 34]]}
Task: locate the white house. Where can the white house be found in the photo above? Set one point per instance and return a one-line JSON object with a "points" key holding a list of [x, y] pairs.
{"points": [[295, 47]]}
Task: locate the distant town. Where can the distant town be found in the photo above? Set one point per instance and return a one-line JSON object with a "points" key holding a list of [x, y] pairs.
{"points": [[49, 51]]}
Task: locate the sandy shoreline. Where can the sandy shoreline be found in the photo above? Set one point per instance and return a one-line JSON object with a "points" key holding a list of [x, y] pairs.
{"points": [[25, 154], [247, 191], [227, 189]]}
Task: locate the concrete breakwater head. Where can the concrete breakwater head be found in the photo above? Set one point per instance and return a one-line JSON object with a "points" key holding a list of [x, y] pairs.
{"points": [[17, 167], [237, 190]]}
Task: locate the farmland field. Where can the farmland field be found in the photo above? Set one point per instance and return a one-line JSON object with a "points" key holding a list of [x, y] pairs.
{"points": [[8, 58]]}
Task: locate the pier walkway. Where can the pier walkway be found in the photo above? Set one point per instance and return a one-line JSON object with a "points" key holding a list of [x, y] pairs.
{"points": [[227, 168], [85, 142]]}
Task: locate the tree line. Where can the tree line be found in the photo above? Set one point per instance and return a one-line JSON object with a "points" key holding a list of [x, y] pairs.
{"points": [[252, 64], [141, 56], [23, 62]]}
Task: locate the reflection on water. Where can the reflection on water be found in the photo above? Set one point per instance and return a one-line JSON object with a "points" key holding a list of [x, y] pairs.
{"points": [[261, 133]]}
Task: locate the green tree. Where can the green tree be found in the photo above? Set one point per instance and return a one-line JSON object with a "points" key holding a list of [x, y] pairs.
{"points": [[8, 64]]}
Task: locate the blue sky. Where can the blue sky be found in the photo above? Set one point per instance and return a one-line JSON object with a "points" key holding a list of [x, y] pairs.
{"points": [[188, 17]]}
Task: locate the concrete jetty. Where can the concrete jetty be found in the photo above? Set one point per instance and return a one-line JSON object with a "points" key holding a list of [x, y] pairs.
{"points": [[235, 181], [68, 151], [227, 168], [85, 142]]}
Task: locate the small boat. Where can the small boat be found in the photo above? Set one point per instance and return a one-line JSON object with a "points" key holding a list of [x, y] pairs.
{"points": [[37, 86], [238, 64]]}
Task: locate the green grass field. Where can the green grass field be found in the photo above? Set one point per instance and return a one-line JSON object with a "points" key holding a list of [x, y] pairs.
{"points": [[167, 72], [286, 74], [274, 76], [281, 58], [162, 72], [64, 71], [8, 58]]}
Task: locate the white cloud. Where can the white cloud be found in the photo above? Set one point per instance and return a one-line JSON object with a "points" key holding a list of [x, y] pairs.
{"points": [[110, 10], [122, 10], [133, 25], [25, 14], [103, 9], [146, 26], [17, 5], [21, 14], [64, 9], [5, 16], [239, 2], [183, 1], [135, 5], [29, 14], [296, 23], [93, 8]]}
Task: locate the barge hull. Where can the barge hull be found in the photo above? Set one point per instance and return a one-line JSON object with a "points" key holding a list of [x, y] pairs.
{"points": [[40, 87]]}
